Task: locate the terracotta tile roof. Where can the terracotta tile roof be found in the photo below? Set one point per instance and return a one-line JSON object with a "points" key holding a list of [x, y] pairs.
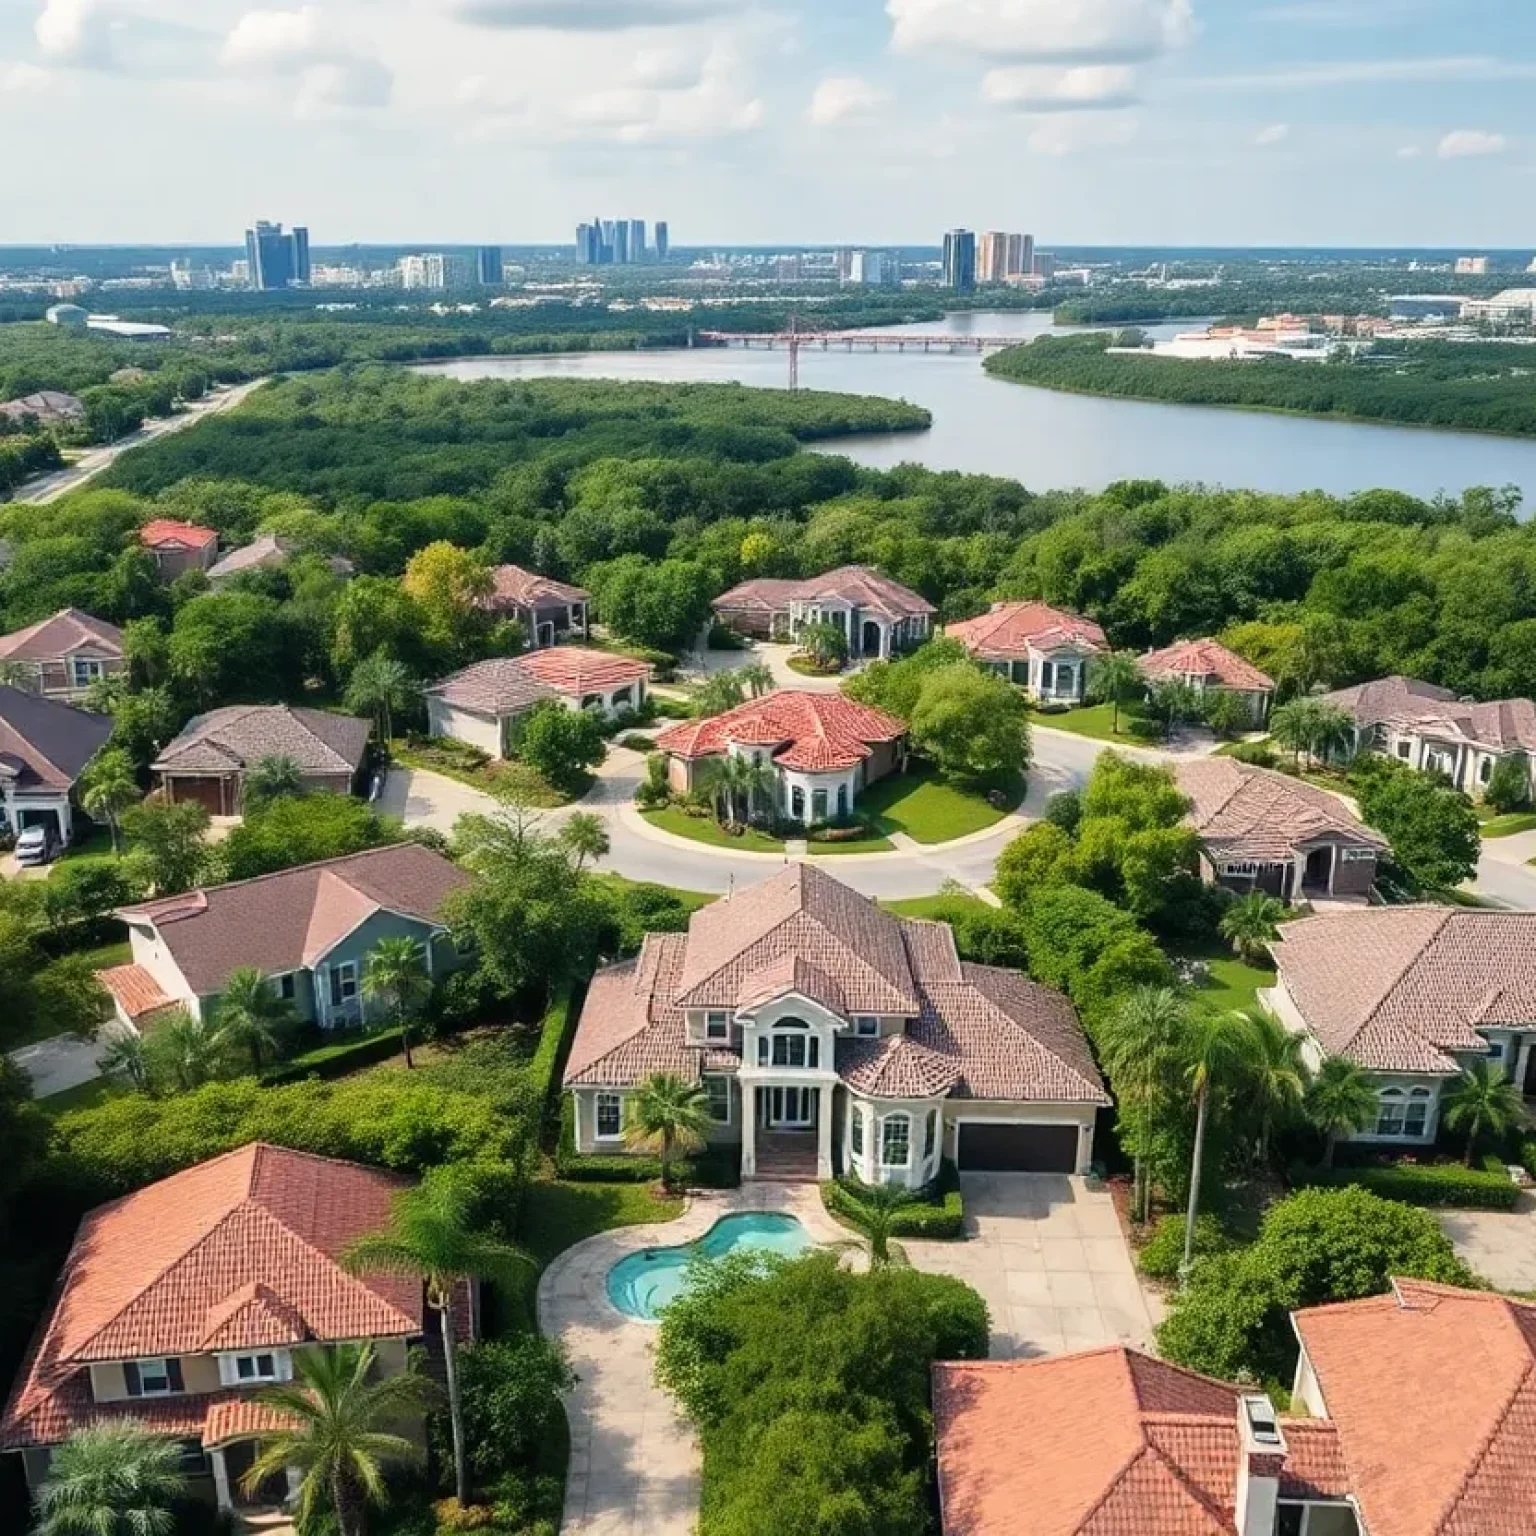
{"points": [[1397, 989], [69, 632], [160, 531], [1245, 812], [232, 739], [1409, 705], [239, 1418], [813, 732], [1209, 660], [860, 586], [134, 990], [514, 587], [972, 1031], [506, 684], [1009, 631], [1451, 1461], [578, 669], [46, 744], [282, 921], [764, 594], [248, 1241]]}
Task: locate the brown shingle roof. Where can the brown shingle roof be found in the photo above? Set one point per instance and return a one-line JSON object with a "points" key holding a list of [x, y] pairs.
{"points": [[232, 739], [1397, 989], [233, 1251], [45, 744], [813, 732], [513, 586], [1407, 704], [860, 586], [1244, 812], [68, 632], [284, 921], [1009, 630], [1208, 660]]}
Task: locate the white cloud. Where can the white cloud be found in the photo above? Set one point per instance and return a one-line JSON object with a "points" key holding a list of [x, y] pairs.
{"points": [[844, 98], [1374, 72], [1088, 88], [665, 69], [1463, 142], [331, 76], [590, 15], [74, 32], [1070, 133], [1409, 152], [274, 39], [1054, 31], [1275, 133]]}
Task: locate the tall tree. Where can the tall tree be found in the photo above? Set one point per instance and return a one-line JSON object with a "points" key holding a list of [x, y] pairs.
{"points": [[167, 844], [113, 1479], [1251, 924], [1215, 1049], [431, 1236], [107, 789], [1341, 1099], [584, 835], [450, 586], [397, 973], [382, 687], [1483, 1099], [1276, 1077], [1116, 679], [1140, 1044], [340, 1434], [667, 1115]]}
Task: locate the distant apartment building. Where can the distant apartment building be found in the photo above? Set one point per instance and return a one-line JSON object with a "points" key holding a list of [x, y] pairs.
{"points": [[992, 257], [488, 266], [869, 269], [1021, 255], [1471, 266], [663, 240], [275, 259], [960, 260], [1510, 306], [637, 239], [435, 272]]}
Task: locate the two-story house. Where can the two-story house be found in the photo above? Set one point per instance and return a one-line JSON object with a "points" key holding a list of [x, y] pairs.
{"points": [[1047, 651], [179, 547], [548, 610], [180, 1301], [878, 617], [308, 930], [1412, 994], [832, 1036], [62, 656]]}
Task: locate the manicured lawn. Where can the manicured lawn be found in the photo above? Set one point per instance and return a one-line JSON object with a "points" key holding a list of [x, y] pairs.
{"points": [[934, 908], [1093, 720], [874, 844], [96, 844], [693, 900], [1495, 825], [105, 955], [1232, 983], [515, 780], [704, 829], [929, 809]]}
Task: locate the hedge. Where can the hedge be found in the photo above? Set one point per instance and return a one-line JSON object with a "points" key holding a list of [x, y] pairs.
{"points": [[1488, 1188], [338, 1058], [716, 1167], [936, 1212]]}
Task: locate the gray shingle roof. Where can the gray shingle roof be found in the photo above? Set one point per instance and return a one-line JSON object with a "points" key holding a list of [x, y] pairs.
{"points": [[232, 739], [45, 744]]}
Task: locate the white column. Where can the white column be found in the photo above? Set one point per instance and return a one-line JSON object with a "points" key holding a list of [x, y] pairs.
{"points": [[824, 1133], [220, 1479], [1522, 1063], [295, 1482], [748, 1130]]}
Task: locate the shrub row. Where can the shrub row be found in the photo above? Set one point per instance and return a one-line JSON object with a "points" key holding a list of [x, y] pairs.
{"points": [[338, 1058], [936, 1212], [1486, 1188]]}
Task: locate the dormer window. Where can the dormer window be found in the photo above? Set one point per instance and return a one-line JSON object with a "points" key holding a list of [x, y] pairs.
{"points": [[153, 1378], [865, 1024], [717, 1026]]}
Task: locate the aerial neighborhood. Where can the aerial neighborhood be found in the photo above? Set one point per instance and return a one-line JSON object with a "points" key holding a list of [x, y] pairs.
{"points": [[566, 965]]}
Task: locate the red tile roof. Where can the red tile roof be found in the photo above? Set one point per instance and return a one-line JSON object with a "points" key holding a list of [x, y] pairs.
{"points": [[860, 586], [1209, 660], [1010, 630], [577, 669], [69, 632], [513, 586], [506, 684], [240, 1251], [812, 732], [134, 990], [239, 1418], [166, 530]]}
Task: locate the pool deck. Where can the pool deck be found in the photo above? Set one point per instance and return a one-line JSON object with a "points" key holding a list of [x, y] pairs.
{"points": [[634, 1468]]}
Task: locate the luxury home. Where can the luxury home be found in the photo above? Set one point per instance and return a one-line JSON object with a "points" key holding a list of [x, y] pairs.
{"points": [[1046, 651], [877, 616], [1208, 667], [60, 657], [548, 610]]}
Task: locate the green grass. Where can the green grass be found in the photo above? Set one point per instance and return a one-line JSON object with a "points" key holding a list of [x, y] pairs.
{"points": [[1232, 984], [1091, 720], [1507, 825], [704, 829], [96, 844], [515, 780], [105, 955], [693, 900], [872, 844], [929, 809], [808, 668], [935, 909]]}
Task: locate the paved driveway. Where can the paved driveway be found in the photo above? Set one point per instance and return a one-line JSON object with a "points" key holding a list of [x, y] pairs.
{"points": [[58, 1064], [1048, 1256], [1499, 1245]]}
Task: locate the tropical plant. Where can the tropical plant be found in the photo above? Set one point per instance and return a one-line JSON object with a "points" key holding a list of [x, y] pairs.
{"points": [[879, 1206], [184, 1051], [113, 1479], [1509, 785], [251, 1016], [719, 692], [1251, 924], [584, 836], [667, 1115], [1483, 1099], [431, 1236], [825, 644], [382, 687], [1172, 703], [1275, 1079], [1140, 1042], [123, 1055], [1310, 726], [1341, 1099], [396, 972], [270, 777], [339, 1434], [1215, 1047], [757, 678], [107, 788], [1115, 679]]}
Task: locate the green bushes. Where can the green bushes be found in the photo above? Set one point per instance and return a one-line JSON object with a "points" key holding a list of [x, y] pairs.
{"points": [[1163, 1252], [716, 1167], [1486, 1188], [936, 1212]]}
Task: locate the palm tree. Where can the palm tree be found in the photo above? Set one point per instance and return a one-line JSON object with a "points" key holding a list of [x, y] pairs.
{"points": [[431, 1236], [397, 972], [1214, 1049], [1251, 924], [1340, 1099], [251, 1016], [1140, 1050], [381, 686], [825, 644], [271, 777], [124, 1056], [879, 1206], [1483, 1099], [754, 778], [1113, 679], [108, 787], [584, 836], [184, 1051], [114, 1479], [757, 678], [1276, 1082], [1292, 724], [722, 780], [667, 1115], [338, 1433], [1332, 729]]}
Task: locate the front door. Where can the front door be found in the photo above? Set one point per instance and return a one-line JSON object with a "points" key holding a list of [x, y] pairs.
{"points": [[790, 1108], [1319, 868], [869, 640]]}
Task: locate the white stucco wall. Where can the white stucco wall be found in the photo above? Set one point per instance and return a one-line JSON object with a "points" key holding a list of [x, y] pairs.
{"points": [[483, 731]]}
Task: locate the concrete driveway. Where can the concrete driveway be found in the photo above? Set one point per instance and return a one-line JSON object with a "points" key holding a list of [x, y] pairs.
{"points": [[1498, 1245], [1048, 1256], [58, 1064]]}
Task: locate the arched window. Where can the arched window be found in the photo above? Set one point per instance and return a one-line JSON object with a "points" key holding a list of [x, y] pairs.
{"points": [[794, 1045], [856, 1129], [1416, 1117], [896, 1141], [1389, 1112]]}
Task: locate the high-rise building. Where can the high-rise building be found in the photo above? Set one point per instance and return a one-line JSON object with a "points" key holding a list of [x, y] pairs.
{"points": [[436, 272], [869, 269], [960, 260], [663, 240], [275, 259], [589, 240], [298, 255], [610, 243], [1021, 256], [621, 242], [488, 266], [637, 239], [1044, 264], [992, 257]]}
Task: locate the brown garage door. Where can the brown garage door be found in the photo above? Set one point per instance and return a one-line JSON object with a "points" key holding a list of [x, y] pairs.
{"points": [[1018, 1148], [208, 793]]}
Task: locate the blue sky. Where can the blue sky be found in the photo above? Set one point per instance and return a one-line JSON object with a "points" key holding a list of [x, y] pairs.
{"points": [[1288, 122]]}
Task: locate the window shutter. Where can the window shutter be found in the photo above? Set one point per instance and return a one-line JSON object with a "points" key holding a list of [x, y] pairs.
{"points": [[173, 1371], [131, 1380]]}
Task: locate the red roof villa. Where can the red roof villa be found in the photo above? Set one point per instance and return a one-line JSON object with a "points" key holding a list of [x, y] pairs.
{"points": [[878, 616], [1208, 666], [178, 546], [831, 1036], [1046, 650], [548, 610]]}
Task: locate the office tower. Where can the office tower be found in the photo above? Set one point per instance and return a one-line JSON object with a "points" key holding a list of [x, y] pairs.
{"points": [[637, 239], [663, 240], [270, 254], [621, 242], [488, 267], [992, 257], [609, 243], [587, 240], [1021, 256], [298, 255], [960, 260], [436, 272]]}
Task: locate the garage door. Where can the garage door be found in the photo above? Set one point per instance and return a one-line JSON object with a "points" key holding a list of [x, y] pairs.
{"points": [[1018, 1148], [208, 793]]}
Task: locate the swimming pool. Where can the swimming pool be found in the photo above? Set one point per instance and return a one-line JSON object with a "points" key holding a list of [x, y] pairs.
{"points": [[641, 1284]]}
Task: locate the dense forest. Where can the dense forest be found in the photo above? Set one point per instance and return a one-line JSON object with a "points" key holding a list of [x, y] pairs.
{"points": [[1475, 386]]}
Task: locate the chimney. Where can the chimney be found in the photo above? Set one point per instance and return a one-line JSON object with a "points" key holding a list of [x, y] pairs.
{"points": [[1260, 1456]]}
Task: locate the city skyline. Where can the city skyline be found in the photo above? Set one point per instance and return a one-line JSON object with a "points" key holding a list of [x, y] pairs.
{"points": [[1324, 122]]}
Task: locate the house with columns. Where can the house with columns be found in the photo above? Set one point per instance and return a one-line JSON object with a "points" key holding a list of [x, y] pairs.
{"points": [[1047, 651], [179, 1302], [878, 617], [831, 1036]]}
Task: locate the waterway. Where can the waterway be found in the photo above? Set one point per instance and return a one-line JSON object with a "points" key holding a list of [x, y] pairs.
{"points": [[1049, 440]]}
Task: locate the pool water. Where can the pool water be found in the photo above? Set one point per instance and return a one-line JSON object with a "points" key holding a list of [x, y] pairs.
{"points": [[645, 1282]]}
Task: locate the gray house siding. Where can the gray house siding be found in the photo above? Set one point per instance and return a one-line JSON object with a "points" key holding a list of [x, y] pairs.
{"points": [[331, 1006]]}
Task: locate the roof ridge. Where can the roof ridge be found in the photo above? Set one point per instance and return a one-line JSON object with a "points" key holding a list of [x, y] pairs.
{"points": [[1400, 975], [1500, 1418], [967, 967]]}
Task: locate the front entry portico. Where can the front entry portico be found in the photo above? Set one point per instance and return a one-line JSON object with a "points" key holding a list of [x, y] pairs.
{"points": [[788, 1131]]}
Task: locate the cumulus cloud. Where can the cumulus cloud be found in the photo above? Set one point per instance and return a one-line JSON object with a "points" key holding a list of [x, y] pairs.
{"points": [[1460, 143], [1275, 133], [331, 76], [1088, 88], [74, 32], [591, 15], [844, 98], [1047, 31]]}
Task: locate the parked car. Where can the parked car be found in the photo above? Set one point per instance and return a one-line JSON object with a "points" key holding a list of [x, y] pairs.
{"points": [[37, 845]]}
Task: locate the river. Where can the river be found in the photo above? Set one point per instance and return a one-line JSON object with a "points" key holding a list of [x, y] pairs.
{"points": [[1049, 440]]}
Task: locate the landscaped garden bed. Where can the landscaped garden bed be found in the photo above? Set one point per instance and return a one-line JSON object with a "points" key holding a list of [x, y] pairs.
{"points": [[469, 765], [705, 829]]}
